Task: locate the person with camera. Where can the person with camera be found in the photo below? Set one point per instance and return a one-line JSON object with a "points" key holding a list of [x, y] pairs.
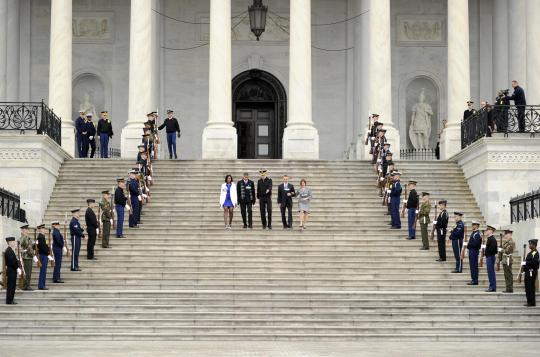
{"points": [[519, 100]]}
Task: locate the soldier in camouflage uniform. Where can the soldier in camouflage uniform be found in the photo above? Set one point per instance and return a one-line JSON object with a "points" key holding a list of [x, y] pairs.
{"points": [[106, 218], [27, 246], [505, 257]]}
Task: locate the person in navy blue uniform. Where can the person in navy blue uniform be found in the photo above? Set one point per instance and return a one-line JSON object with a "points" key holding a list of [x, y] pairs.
{"points": [[120, 201], [77, 234], [412, 204], [57, 247], [43, 253], [441, 224], [519, 100], [12, 264], [92, 226], [89, 136], [456, 236], [395, 197], [530, 269], [133, 189], [79, 123], [473, 245], [285, 196], [490, 252], [173, 130], [105, 132]]}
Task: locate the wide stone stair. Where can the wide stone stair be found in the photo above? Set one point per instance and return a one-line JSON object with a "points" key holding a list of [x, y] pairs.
{"points": [[181, 276]]}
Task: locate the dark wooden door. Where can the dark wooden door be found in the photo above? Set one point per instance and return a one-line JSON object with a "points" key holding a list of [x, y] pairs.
{"points": [[256, 132]]}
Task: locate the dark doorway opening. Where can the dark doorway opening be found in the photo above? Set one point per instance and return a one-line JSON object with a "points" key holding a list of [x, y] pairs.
{"points": [[259, 114]]}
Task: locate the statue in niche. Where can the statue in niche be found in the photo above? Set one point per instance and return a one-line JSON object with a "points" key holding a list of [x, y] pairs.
{"points": [[420, 129], [87, 106]]}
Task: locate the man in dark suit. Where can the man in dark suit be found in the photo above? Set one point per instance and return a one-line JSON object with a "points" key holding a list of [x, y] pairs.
{"points": [[264, 194], [79, 124], [12, 264], [246, 197], [285, 196], [441, 224], [470, 110], [519, 100], [91, 228], [104, 132]]}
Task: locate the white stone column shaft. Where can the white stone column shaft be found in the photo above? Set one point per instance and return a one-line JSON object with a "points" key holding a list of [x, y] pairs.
{"points": [[533, 52], [500, 45], [140, 75], [3, 48], [60, 69], [380, 69], [300, 139], [517, 27], [219, 140], [13, 45], [459, 76]]}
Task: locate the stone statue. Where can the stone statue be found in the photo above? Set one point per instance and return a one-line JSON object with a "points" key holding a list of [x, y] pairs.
{"points": [[86, 106], [420, 129]]}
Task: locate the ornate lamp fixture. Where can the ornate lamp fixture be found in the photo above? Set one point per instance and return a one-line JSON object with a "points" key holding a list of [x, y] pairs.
{"points": [[257, 17]]}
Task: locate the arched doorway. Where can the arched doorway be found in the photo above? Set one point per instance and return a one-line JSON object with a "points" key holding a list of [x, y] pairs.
{"points": [[259, 114]]}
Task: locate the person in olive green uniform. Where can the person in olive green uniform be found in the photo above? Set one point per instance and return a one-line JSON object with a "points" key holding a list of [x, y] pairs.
{"points": [[505, 257], [27, 246], [423, 218], [106, 218]]}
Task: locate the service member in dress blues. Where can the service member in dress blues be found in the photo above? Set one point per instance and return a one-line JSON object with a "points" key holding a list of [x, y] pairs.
{"points": [[120, 201], [412, 204], [491, 256], [456, 236], [133, 189], [246, 197], [89, 136], [530, 269], [57, 248], [92, 226], [473, 245], [79, 123], [77, 234], [43, 251], [441, 224], [12, 264], [395, 200]]}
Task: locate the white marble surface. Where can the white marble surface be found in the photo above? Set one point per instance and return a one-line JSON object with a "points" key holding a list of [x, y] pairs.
{"points": [[13, 41], [517, 50], [533, 51], [500, 45]]}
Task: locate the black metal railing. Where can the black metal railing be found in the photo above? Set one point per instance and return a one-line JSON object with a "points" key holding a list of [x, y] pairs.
{"points": [[112, 152], [23, 116], [524, 207], [10, 206], [503, 119], [417, 154]]}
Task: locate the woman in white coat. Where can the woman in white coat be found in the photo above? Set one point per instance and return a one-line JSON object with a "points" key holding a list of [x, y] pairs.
{"points": [[228, 200]]}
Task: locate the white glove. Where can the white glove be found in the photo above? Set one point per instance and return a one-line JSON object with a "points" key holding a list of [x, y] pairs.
{"points": [[127, 206], [149, 178], [388, 190], [144, 195], [380, 170], [19, 272], [416, 212], [111, 221], [404, 202], [499, 250], [378, 160], [523, 263], [64, 250], [465, 244], [381, 179], [483, 246], [35, 259], [97, 231], [50, 257], [140, 198], [372, 138], [434, 222], [91, 137]]}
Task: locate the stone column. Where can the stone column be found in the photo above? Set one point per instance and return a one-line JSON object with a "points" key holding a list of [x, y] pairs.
{"points": [[140, 75], [500, 45], [361, 53], [300, 138], [219, 139], [380, 69], [459, 76], [533, 52], [60, 72], [13, 45], [517, 28], [3, 49]]}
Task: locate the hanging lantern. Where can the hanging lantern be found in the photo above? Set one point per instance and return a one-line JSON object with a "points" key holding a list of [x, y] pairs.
{"points": [[257, 17]]}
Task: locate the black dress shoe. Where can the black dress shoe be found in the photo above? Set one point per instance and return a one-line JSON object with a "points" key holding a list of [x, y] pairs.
{"points": [[269, 227], [28, 289], [424, 248], [58, 281], [528, 305], [245, 227], [508, 292], [490, 290], [471, 283], [439, 260], [43, 288], [11, 303], [78, 269], [455, 271], [411, 238]]}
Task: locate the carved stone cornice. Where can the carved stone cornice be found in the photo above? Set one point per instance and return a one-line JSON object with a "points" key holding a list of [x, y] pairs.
{"points": [[20, 154]]}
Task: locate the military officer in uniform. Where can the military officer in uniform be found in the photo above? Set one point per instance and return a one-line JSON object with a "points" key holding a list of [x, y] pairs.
{"points": [[120, 201], [27, 246], [423, 218], [456, 236], [77, 235], [473, 245], [133, 189], [395, 200], [43, 252], [107, 217], [12, 265], [92, 226], [246, 197], [530, 269], [264, 195], [57, 249], [505, 257], [412, 204], [441, 224], [490, 252]]}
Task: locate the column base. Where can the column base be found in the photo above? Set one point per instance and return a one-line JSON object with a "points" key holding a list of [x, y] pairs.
{"points": [[68, 139], [450, 143], [219, 142], [130, 139], [301, 142]]}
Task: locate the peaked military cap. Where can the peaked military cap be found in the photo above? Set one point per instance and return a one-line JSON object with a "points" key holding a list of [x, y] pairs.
{"points": [[140, 146], [475, 223], [90, 200], [55, 223], [169, 111], [263, 171], [389, 153], [149, 114], [387, 144], [120, 179], [375, 115], [145, 135], [25, 226], [533, 241], [470, 101], [425, 193], [443, 202], [106, 192], [491, 228], [508, 230], [75, 210], [380, 123], [396, 173], [411, 182], [458, 214], [89, 115], [40, 226], [10, 239]]}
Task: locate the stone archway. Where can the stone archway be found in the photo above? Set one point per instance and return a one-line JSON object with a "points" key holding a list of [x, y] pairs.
{"points": [[259, 114]]}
